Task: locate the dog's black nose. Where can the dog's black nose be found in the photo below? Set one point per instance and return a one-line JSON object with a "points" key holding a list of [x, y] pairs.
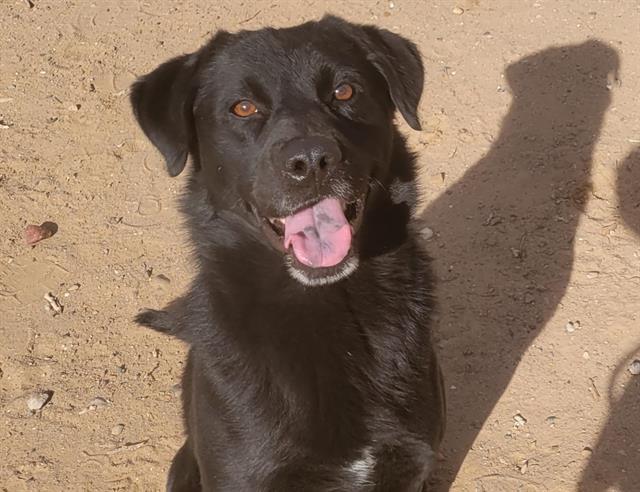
{"points": [[309, 156]]}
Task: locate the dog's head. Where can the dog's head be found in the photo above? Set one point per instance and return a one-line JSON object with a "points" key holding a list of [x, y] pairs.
{"points": [[288, 128]]}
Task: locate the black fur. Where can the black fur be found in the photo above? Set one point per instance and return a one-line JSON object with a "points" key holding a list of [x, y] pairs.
{"points": [[289, 387]]}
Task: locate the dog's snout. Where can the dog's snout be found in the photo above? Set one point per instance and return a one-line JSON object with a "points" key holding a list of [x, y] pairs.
{"points": [[309, 156]]}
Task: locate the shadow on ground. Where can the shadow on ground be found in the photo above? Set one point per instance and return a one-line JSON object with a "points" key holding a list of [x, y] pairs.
{"points": [[506, 230], [616, 456]]}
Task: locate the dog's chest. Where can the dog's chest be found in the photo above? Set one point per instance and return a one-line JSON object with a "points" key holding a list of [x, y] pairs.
{"points": [[321, 372]]}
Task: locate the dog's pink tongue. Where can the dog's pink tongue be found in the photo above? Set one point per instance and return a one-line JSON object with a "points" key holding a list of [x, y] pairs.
{"points": [[320, 235]]}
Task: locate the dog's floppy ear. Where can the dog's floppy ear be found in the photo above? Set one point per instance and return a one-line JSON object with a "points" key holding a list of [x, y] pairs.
{"points": [[163, 105], [399, 62]]}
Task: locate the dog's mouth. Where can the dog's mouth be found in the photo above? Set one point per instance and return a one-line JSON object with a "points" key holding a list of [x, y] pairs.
{"points": [[318, 237]]}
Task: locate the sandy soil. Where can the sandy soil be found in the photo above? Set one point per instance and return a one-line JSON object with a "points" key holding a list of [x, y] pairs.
{"points": [[531, 174]]}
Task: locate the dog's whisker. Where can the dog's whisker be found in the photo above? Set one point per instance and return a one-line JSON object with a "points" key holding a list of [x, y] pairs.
{"points": [[375, 181]]}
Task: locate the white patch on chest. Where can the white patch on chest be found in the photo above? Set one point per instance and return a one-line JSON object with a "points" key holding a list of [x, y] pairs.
{"points": [[362, 468]]}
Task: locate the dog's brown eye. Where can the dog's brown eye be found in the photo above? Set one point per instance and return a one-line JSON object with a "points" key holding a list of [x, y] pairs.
{"points": [[343, 92], [244, 108]]}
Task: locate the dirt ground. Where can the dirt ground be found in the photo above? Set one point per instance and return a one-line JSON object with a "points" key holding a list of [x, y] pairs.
{"points": [[531, 174]]}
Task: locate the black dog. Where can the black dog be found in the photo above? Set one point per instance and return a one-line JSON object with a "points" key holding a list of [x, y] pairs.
{"points": [[310, 365]]}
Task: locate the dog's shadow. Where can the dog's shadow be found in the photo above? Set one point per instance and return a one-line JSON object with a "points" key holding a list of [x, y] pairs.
{"points": [[503, 252], [616, 456]]}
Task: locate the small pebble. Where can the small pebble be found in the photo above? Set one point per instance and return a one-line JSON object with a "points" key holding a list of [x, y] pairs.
{"points": [[524, 467], [426, 233], [97, 402], [586, 356], [634, 367], [587, 451], [176, 389], [38, 400], [570, 327], [94, 404], [116, 430], [519, 420], [53, 305], [458, 10], [551, 420], [33, 234]]}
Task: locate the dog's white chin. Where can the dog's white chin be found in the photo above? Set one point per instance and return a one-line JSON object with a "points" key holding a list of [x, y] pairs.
{"points": [[338, 273]]}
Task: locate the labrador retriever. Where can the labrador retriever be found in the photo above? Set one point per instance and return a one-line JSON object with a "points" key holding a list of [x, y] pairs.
{"points": [[310, 365]]}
